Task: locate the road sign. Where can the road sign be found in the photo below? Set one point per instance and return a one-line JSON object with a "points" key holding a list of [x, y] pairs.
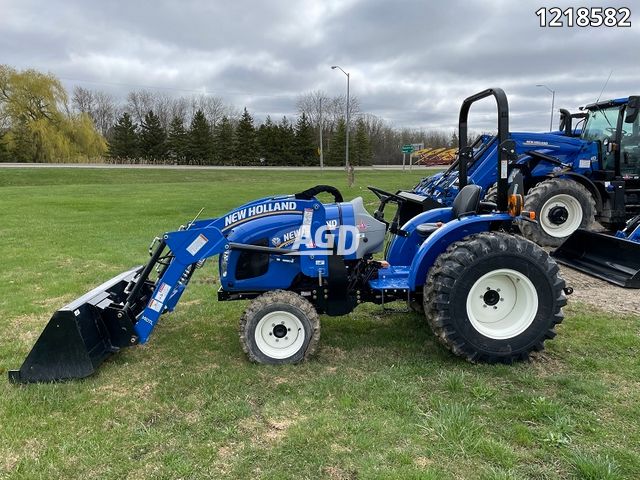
{"points": [[407, 148], [417, 146]]}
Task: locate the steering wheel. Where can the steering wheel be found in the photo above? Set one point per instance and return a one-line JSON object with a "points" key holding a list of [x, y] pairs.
{"points": [[384, 195], [613, 131], [313, 191]]}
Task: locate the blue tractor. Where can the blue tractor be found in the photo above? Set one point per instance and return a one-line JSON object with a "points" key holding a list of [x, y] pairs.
{"points": [[488, 295], [572, 178]]}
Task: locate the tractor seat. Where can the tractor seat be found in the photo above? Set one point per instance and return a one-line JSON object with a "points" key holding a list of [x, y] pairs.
{"points": [[466, 203]]}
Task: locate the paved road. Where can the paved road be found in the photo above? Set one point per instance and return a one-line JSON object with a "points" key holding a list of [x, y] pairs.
{"points": [[200, 167]]}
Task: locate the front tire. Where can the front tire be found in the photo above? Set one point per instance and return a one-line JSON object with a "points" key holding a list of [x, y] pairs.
{"points": [[279, 327], [561, 206], [493, 297]]}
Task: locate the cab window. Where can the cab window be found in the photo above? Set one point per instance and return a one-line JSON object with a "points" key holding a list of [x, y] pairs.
{"points": [[601, 126], [630, 148]]}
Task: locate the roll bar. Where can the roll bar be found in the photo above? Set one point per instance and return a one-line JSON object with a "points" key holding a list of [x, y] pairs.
{"points": [[465, 152]]}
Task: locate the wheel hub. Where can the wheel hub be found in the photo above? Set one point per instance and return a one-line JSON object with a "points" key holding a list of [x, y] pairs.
{"points": [[279, 331], [491, 298], [558, 215], [561, 215]]}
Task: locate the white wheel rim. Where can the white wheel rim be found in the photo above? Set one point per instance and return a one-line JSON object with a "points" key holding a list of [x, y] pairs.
{"points": [[279, 334], [502, 304], [569, 206]]}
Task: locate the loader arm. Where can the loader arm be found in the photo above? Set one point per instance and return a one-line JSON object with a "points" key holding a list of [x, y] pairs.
{"points": [[188, 248]]}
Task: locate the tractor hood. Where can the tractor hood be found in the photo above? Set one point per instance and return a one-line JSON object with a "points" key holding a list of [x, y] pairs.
{"points": [[277, 222]]}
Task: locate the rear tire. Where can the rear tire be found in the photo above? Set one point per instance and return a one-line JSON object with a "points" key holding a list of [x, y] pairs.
{"points": [[561, 207], [492, 194], [493, 297], [279, 327]]}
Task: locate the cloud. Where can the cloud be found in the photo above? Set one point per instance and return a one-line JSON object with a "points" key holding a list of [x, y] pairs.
{"points": [[411, 62]]}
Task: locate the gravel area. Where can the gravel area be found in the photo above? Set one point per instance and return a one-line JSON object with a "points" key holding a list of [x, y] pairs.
{"points": [[601, 294]]}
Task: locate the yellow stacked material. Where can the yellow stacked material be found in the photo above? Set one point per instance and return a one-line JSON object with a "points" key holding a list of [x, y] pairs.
{"points": [[434, 156]]}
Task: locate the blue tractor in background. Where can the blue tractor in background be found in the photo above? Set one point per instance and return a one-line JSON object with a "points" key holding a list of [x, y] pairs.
{"points": [[488, 295], [572, 178]]}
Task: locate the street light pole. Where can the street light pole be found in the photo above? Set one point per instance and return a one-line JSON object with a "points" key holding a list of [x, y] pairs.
{"points": [[553, 100], [346, 161]]}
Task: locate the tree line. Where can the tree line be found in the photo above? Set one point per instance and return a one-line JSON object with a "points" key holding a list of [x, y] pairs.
{"points": [[41, 122], [199, 141]]}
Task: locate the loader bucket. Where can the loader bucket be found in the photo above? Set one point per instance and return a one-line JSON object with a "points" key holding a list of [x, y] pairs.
{"points": [[610, 258], [82, 334]]}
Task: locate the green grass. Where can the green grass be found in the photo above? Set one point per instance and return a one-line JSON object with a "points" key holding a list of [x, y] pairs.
{"points": [[381, 399]]}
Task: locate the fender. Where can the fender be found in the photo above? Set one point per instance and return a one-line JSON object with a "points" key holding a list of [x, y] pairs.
{"points": [[442, 238], [402, 249], [586, 182]]}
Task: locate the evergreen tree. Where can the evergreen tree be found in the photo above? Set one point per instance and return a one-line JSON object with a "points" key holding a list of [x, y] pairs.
{"points": [[267, 137], [177, 141], [124, 139], [286, 138], [200, 148], [223, 142], [245, 147], [336, 154], [453, 143], [152, 138], [362, 152], [305, 144]]}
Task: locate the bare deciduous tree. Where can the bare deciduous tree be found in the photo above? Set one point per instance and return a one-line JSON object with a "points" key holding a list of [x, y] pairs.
{"points": [[82, 100], [139, 103], [213, 108], [104, 112]]}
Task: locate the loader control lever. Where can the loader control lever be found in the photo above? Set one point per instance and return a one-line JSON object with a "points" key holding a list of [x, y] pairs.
{"points": [[384, 195]]}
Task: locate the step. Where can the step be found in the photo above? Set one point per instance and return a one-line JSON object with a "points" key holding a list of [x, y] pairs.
{"points": [[391, 278]]}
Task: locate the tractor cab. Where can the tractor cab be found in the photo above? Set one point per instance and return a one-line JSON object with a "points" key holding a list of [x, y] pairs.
{"points": [[614, 124]]}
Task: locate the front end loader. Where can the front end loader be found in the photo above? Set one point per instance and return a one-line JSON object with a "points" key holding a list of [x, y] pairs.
{"points": [[613, 258], [488, 295]]}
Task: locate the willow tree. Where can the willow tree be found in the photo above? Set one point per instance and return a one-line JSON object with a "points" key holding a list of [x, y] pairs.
{"points": [[39, 126]]}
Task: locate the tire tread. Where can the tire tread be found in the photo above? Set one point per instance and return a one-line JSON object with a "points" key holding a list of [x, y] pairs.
{"points": [[452, 264], [289, 298]]}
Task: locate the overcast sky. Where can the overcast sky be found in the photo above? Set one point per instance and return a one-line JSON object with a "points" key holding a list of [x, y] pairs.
{"points": [[411, 62]]}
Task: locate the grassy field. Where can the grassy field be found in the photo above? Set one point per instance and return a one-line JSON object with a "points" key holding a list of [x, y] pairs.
{"points": [[381, 399]]}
